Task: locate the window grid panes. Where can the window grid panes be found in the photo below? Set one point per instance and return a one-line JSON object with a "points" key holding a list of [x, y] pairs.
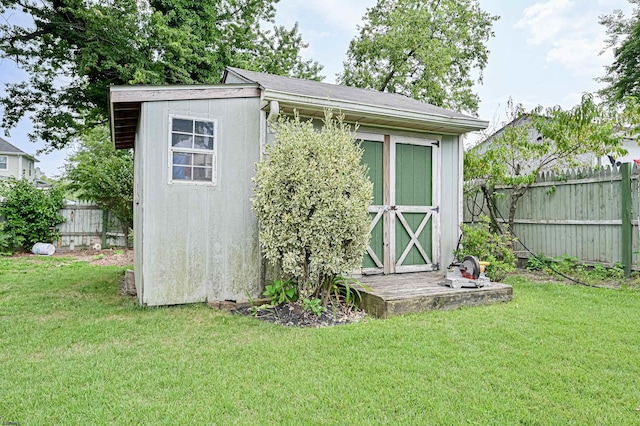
{"points": [[192, 150], [3, 163]]}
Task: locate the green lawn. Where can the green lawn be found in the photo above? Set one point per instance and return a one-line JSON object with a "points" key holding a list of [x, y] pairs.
{"points": [[74, 352]]}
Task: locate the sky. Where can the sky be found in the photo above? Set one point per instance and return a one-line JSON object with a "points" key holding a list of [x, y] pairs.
{"points": [[544, 53]]}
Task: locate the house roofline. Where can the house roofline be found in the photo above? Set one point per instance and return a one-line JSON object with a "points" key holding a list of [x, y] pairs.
{"points": [[20, 154]]}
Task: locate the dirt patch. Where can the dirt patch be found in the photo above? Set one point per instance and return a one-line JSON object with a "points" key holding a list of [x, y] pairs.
{"points": [[108, 257], [293, 315]]}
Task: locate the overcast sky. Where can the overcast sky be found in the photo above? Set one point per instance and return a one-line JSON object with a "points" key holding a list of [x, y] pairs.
{"points": [[543, 53]]}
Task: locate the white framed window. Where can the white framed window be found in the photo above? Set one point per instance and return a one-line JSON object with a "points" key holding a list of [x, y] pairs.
{"points": [[4, 162], [192, 150]]}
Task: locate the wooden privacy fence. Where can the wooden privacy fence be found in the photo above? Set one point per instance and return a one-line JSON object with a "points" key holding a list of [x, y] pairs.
{"points": [[589, 214], [87, 225]]}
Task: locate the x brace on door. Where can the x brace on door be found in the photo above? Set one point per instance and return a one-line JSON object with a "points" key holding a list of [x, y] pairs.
{"points": [[379, 210], [414, 236]]}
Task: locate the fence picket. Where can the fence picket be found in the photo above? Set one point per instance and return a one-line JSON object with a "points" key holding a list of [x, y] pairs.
{"points": [[580, 217], [82, 228]]}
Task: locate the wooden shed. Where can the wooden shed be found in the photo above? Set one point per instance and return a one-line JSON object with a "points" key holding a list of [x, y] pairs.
{"points": [[196, 238]]}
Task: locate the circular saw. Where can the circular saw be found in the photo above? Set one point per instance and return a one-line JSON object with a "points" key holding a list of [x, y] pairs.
{"points": [[466, 274]]}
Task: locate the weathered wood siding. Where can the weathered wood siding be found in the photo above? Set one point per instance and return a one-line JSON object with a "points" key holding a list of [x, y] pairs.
{"points": [[450, 197], [84, 225], [197, 242], [576, 213]]}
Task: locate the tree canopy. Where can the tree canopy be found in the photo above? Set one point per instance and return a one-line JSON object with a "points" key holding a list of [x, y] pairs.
{"points": [[623, 35], [541, 140], [74, 50], [429, 50], [97, 172]]}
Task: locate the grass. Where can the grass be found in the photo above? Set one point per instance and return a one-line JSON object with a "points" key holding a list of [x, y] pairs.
{"points": [[72, 351]]}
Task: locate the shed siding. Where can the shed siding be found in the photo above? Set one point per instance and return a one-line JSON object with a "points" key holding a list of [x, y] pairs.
{"points": [[201, 241], [233, 79], [138, 207], [450, 203]]}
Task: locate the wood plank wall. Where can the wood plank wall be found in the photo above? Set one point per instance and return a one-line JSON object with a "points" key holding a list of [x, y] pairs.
{"points": [[576, 213], [84, 226]]}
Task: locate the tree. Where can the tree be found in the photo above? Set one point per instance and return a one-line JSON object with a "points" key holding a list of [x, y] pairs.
{"points": [[97, 172], [623, 35], [31, 214], [312, 196], [424, 49], [74, 50], [514, 159]]}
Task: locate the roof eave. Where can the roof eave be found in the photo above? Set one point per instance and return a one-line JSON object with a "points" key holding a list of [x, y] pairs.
{"points": [[20, 154], [125, 103], [455, 125]]}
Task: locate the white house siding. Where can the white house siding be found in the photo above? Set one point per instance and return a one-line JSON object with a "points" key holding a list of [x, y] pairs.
{"points": [[27, 170], [200, 242], [13, 167], [17, 167]]}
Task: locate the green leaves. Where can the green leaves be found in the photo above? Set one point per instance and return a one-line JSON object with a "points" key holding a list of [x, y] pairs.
{"points": [[281, 291], [479, 240], [429, 50], [311, 199], [97, 172], [73, 52], [540, 140], [30, 213], [623, 76]]}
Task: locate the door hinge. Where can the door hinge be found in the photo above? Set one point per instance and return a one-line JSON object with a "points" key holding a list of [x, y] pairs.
{"points": [[436, 209], [437, 144]]}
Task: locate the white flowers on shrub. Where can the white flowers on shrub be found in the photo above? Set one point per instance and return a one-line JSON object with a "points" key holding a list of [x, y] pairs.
{"points": [[311, 198]]}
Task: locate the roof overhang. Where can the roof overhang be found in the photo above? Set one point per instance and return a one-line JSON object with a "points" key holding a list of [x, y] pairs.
{"points": [[125, 103], [373, 115], [20, 154]]}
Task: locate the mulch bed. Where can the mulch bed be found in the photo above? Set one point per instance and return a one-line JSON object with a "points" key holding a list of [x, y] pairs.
{"points": [[293, 315]]}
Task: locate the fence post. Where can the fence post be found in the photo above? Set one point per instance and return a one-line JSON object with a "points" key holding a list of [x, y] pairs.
{"points": [[626, 237], [105, 218]]}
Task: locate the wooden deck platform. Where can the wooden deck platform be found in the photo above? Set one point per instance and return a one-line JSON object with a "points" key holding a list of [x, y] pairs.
{"points": [[400, 294]]}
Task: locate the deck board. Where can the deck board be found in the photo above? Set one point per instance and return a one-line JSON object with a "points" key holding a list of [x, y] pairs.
{"points": [[400, 294]]}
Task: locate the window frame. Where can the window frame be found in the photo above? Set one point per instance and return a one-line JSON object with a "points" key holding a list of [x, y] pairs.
{"points": [[6, 162], [171, 150]]}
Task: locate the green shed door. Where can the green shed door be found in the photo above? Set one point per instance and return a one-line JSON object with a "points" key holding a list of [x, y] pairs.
{"points": [[414, 208], [374, 257]]}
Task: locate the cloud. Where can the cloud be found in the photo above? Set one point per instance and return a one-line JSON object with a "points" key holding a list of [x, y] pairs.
{"points": [[545, 20], [571, 100], [580, 56], [345, 15], [570, 33], [336, 15]]}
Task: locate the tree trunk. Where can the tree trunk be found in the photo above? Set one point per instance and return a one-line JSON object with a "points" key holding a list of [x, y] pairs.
{"points": [[488, 197]]}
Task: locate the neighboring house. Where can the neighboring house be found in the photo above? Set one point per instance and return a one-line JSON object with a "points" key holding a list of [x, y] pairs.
{"points": [[196, 237], [630, 144], [633, 153], [16, 163]]}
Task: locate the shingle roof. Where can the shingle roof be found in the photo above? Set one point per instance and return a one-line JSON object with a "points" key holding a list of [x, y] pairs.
{"points": [[7, 148], [343, 93]]}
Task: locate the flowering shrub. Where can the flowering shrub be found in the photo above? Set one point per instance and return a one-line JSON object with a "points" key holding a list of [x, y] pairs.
{"points": [[311, 199]]}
